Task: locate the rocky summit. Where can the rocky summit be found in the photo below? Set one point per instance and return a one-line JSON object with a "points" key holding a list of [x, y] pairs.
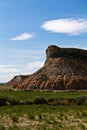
{"points": [[64, 69]]}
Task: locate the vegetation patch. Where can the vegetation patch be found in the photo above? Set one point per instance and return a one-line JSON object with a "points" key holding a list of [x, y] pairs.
{"points": [[43, 110]]}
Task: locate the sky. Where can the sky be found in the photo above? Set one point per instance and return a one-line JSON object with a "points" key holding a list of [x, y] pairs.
{"points": [[28, 27]]}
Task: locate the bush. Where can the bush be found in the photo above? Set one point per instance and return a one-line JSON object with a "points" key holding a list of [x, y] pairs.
{"points": [[40, 101], [12, 101], [71, 101], [59, 101], [81, 100], [68, 101], [3, 101], [8, 101]]}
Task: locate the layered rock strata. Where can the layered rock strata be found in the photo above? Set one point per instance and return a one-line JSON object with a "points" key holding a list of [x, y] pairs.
{"points": [[64, 69]]}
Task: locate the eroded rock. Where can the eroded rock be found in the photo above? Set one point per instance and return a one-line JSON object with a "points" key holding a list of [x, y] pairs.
{"points": [[64, 68]]}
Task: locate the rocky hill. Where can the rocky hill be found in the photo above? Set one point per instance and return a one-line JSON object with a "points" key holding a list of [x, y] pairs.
{"points": [[64, 68]]}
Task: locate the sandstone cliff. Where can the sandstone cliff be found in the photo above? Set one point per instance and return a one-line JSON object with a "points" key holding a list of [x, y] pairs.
{"points": [[64, 68]]}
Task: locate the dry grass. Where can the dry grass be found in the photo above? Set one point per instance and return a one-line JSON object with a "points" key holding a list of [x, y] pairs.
{"points": [[44, 117]]}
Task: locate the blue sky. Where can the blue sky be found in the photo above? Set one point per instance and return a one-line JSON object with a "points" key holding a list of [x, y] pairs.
{"points": [[27, 27]]}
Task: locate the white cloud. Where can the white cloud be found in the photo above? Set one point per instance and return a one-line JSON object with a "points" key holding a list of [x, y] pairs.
{"points": [[24, 36], [7, 72], [34, 66], [30, 54], [21, 61], [8, 69], [71, 26]]}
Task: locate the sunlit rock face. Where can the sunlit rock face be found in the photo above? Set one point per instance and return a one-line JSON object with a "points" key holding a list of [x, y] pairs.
{"points": [[64, 68]]}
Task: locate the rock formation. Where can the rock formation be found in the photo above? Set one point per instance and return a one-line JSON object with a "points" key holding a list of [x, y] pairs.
{"points": [[64, 68]]}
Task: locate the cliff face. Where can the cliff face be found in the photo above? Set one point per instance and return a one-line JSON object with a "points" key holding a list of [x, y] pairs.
{"points": [[64, 68]]}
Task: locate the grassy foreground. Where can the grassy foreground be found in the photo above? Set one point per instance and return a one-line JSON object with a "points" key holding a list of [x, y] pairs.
{"points": [[27, 111]]}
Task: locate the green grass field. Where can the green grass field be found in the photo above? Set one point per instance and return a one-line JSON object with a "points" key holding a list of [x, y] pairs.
{"points": [[42, 116], [31, 95]]}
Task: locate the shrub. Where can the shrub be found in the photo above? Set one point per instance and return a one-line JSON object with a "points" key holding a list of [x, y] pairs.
{"points": [[12, 101], [71, 101], [8, 101], [40, 101], [59, 101], [3, 101], [81, 100]]}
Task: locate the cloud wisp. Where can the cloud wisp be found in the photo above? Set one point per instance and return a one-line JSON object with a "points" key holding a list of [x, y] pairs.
{"points": [[29, 54], [7, 72], [22, 37], [34, 66], [70, 26], [8, 69], [27, 60]]}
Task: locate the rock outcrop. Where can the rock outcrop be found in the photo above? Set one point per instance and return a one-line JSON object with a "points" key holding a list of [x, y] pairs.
{"points": [[64, 68]]}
